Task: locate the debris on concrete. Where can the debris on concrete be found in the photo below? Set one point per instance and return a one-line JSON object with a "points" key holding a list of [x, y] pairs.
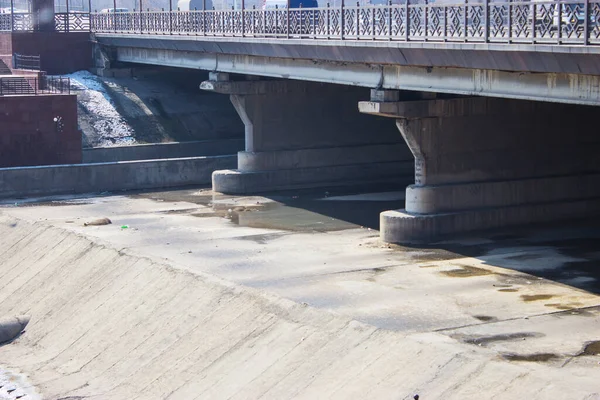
{"points": [[98, 222], [10, 328], [15, 386]]}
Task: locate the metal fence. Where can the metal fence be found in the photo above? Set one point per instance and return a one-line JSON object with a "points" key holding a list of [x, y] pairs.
{"points": [[34, 85], [556, 22], [21, 61], [63, 22]]}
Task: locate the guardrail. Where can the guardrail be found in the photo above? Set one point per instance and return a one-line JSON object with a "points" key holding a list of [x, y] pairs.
{"points": [[63, 22], [24, 62], [555, 22], [32, 85]]}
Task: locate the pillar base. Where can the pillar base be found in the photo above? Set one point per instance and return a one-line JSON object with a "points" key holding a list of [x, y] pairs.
{"points": [[241, 182], [317, 167], [400, 226]]}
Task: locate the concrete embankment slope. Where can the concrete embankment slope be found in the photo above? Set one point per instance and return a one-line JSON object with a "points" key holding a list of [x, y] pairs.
{"points": [[110, 325]]}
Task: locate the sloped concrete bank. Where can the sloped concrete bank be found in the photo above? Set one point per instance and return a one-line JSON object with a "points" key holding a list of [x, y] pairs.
{"points": [[112, 325]]}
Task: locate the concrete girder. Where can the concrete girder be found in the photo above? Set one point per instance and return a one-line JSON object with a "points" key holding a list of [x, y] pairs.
{"points": [[551, 87]]}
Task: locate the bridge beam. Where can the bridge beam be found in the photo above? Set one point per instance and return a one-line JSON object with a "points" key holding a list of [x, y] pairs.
{"points": [[301, 134], [551, 87], [488, 163]]}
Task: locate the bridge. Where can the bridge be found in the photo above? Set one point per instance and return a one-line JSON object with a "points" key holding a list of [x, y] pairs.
{"points": [[485, 109]]}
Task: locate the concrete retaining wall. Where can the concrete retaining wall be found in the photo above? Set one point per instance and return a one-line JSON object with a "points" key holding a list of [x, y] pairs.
{"points": [[163, 150], [84, 178]]}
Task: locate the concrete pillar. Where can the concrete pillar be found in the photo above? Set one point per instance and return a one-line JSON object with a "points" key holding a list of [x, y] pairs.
{"points": [[304, 134], [485, 163], [43, 15]]}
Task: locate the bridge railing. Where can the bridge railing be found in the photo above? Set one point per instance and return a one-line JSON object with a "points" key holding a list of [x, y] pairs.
{"points": [[556, 22], [63, 22]]}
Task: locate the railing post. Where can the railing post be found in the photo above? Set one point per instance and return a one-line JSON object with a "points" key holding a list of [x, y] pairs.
{"points": [[533, 12], [357, 20], [559, 35], [141, 17], [486, 30], [327, 26], [301, 24], [407, 25], [115, 15], [445, 23], [510, 30], [426, 19], [204, 17], [12, 15], [465, 26], [373, 21], [343, 21], [287, 16], [243, 21], [390, 28], [253, 20], [170, 17], [586, 14], [68, 20]]}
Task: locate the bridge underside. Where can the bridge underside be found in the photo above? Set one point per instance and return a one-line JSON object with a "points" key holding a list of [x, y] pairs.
{"points": [[524, 150], [575, 88]]}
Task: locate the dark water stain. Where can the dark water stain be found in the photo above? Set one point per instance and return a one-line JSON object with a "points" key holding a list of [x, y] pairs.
{"points": [[508, 290], [178, 211], [536, 297], [466, 271], [57, 203], [568, 306], [485, 340], [485, 318], [559, 306], [428, 266], [263, 238], [515, 279], [537, 357], [205, 215], [375, 272], [590, 349]]}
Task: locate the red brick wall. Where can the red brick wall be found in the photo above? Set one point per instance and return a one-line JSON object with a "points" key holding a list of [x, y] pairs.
{"points": [[29, 135], [60, 53], [5, 43]]}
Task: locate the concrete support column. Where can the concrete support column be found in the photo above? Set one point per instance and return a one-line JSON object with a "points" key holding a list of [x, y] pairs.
{"points": [[304, 134], [485, 163]]}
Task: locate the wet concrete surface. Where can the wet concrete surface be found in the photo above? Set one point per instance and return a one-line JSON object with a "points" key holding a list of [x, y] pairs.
{"points": [[530, 294]]}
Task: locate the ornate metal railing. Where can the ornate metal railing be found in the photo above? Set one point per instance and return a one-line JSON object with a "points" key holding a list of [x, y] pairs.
{"points": [[63, 22], [557, 22], [26, 62], [34, 85]]}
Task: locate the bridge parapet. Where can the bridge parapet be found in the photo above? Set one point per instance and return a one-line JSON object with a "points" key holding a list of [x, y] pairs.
{"points": [[565, 22]]}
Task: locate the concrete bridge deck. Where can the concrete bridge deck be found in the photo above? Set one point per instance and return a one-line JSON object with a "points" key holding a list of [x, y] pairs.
{"points": [[275, 301]]}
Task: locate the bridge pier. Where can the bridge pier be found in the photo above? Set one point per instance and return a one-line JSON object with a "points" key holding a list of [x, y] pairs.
{"points": [[304, 134], [484, 163]]}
